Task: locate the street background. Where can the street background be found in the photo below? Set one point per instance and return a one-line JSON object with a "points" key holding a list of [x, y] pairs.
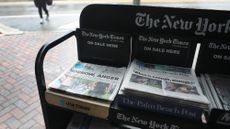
{"points": [[22, 35], [23, 15]]}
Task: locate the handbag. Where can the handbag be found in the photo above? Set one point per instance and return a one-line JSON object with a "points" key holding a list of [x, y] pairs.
{"points": [[49, 2]]}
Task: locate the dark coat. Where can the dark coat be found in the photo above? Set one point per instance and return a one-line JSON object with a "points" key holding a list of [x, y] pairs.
{"points": [[40, 3]]}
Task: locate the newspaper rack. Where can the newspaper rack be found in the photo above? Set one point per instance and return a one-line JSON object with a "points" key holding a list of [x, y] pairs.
{"points": [[200, 25]]}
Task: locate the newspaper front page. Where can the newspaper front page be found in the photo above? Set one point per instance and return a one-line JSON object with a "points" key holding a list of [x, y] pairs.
{"points": [[84, 79], [166, 81]]}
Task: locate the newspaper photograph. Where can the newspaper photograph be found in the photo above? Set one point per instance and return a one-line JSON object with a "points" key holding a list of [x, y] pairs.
{"points": [[161, 80], [90, 80], [146, 81], [181, 88]]}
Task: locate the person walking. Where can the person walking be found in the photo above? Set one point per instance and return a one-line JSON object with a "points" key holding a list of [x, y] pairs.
{"points": [[41, 5]]}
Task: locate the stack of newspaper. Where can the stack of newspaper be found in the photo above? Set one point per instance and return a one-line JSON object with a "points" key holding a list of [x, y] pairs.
{"points": [[87, 88], [161, 88], [90, 80], [217, 89]]}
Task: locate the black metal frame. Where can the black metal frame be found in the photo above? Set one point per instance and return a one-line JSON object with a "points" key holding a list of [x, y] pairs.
{"points": [[54, 117]]}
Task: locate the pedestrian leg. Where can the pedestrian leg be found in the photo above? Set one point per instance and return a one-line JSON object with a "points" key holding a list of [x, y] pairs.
{"points": [[40, 14], [46, 11]]}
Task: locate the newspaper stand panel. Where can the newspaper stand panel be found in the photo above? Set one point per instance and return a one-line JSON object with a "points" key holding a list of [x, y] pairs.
{"points": [[200, 24]]}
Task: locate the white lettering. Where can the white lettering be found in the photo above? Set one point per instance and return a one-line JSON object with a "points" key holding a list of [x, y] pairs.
{"points": [[172, 22]]}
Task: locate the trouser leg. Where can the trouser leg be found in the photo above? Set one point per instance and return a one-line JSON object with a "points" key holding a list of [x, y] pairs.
{"points": [[40, 12], [46, 11]]}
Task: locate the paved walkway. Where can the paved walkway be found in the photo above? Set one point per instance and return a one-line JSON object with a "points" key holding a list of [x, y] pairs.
{"points": [[19, 101]]}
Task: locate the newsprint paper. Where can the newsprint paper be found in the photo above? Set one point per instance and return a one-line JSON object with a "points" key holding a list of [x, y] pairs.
{"points": [[162, 81], [90, 80]]}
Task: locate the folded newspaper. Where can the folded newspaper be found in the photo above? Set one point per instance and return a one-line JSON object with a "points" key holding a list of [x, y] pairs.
{"points": [[219, 90], [90, 80], [176, 84]]}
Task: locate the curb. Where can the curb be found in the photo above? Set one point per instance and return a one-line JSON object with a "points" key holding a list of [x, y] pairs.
{"points": [[6, 30]]}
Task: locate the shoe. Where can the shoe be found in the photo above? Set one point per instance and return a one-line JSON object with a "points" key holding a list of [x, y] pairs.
{"points": [[42, 21], [47, 18]]}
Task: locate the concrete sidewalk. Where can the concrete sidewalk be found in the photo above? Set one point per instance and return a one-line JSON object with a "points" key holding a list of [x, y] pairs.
{"points": [[24, 16], [28, 23], [19, 101]]}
